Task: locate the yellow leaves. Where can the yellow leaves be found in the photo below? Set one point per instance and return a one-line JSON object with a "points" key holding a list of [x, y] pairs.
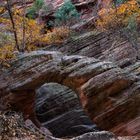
{"points": [[6, 43], [2, 10], [33, 35], [115, 17], [122, 9], [32, 31], [6, 52], [58, 35], [31, 48], [128, 8], [4, 20]]}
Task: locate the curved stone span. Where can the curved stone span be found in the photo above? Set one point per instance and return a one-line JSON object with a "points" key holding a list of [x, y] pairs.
{"points": [[108, 94]]}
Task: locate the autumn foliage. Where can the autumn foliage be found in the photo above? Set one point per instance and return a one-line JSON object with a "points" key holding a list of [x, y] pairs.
{"points": [[58, 35], [116, 17], [33, 34], [111, 17]]}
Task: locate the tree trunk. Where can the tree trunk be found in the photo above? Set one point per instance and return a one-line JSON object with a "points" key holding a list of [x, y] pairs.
{"points": [[24, 27], [13, 24]]}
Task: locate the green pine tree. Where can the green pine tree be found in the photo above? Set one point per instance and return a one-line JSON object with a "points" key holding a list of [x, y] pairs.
{"points": [[33, 11], [66, 13]]}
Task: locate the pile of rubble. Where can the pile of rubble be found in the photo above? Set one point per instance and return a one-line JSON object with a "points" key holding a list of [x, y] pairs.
{"points": [[12, 127]]}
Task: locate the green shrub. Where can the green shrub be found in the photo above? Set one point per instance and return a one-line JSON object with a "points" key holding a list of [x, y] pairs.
{"points": [[38, 4], [131, 31], [66, 13], [132, 23], [118, 2], [33, 11]]}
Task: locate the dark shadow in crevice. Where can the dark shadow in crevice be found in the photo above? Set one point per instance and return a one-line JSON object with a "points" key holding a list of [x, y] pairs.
{"points": [[58, 108]]}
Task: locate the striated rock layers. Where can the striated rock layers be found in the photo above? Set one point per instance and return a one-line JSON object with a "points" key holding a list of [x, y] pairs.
{"points": [[110, 47], [108, 93], [104, 46], [59, 110]]}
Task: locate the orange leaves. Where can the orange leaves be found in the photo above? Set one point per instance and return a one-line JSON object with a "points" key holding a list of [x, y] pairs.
{"points": [[132, 2], [128, 8], [6, 52], [117, 17], [58, 35], [2, 10], [4, 21], [7, 41], [122, 9], [6, 46], [33, 35], [32, 29]]}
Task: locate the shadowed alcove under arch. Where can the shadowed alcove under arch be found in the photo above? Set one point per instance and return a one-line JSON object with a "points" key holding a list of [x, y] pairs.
{"points": [[59, 109]]}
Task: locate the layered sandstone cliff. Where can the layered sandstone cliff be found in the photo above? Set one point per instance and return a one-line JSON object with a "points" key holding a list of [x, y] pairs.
{"points": [[108, 93]]}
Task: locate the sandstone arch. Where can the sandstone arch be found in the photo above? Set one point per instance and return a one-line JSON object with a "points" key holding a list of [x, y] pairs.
{"points": [[98, 85]]}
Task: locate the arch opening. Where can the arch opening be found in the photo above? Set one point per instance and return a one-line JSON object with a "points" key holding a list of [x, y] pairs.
{"points": [[58, 109]]}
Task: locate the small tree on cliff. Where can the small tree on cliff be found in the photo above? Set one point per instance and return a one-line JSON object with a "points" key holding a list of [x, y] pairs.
{"points": [[34, 10], [66, 14], [19, 47], [9, 9]]}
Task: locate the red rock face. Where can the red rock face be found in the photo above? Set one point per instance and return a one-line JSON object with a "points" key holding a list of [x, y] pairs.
{"points": [[109, 94], [132, 128], [115, 98]]}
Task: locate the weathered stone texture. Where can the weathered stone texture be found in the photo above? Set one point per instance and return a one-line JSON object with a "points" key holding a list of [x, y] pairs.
{"points": [[107, 92]]}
